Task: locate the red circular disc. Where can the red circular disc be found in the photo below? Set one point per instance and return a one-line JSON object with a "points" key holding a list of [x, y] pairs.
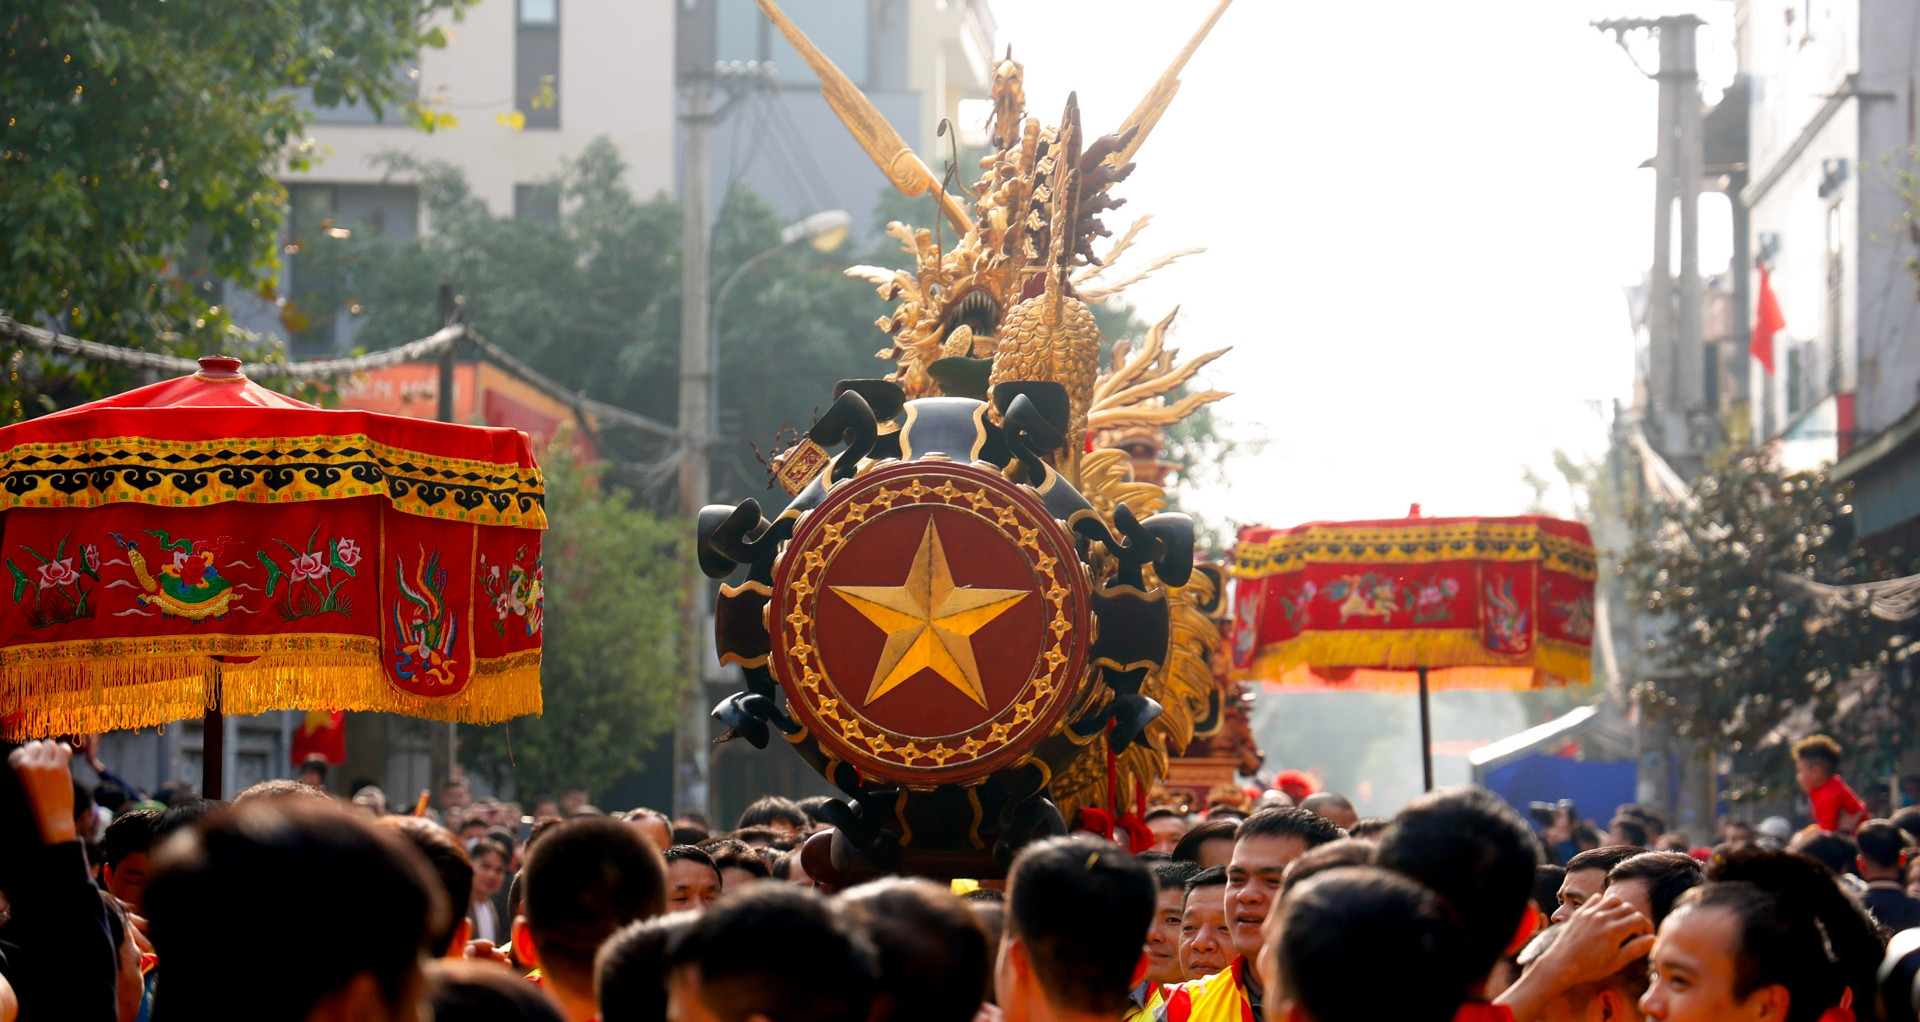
{"points": [[930, 622]]}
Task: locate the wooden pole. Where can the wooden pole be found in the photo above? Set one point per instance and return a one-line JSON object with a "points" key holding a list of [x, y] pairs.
{"points": [[213, 754], [1426, 733], [443, 753]]}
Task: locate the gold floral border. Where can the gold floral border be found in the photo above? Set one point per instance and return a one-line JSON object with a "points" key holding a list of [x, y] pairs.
{"points": [[1417, 544], [27, 470], [905, 750]]}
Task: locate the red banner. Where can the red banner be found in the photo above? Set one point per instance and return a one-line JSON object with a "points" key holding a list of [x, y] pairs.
{"points": [[1481, 602], [263, 554]]}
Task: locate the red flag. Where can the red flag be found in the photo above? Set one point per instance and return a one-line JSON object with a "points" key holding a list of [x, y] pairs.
{"points": [[1767, 321], [323, 733]]}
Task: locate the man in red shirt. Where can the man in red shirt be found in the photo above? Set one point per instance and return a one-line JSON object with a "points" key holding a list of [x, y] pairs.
{"points": [[1816, 762]]}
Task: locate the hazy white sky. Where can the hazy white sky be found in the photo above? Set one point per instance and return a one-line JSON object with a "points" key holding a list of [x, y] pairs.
{"points": [[1418, 220]]}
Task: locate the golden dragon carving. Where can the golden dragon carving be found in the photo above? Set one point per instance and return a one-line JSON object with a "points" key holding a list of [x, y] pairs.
{"points": [[1015, 289]]}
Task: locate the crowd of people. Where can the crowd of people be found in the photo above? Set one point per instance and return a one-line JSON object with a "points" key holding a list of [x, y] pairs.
{"points": [[291, 904]]}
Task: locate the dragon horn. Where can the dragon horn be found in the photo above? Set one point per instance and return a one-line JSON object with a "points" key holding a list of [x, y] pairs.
{"points": [[864, 120], [1158, 98]]}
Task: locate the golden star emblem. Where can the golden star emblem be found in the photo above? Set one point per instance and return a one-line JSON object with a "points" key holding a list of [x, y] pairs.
{"points": [[929, 622]]}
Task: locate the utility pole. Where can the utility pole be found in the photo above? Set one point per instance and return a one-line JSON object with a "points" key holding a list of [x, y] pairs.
{"points": [[1675, 774], [1676, 370], [697, 407], [1680, 107], [443, 744], [690, 752]]}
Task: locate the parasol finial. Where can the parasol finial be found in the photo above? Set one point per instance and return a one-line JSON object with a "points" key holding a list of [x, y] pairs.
{"points": [[220, 367]]}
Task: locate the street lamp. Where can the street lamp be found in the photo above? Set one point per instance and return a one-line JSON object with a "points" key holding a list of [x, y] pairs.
{"points": [[822, 232], [700, 428]]}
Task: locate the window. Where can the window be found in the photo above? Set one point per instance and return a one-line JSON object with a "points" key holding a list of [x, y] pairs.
{"points": [[324, 224], [536, 63], [536, 202], [406, 79], [839, 27]]}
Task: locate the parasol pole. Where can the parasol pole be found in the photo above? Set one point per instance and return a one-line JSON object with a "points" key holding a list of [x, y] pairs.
{"points": [[1426, 732], [213, 739]]}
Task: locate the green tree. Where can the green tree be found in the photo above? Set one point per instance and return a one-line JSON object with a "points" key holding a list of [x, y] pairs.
{"points": [[139, 141], [594, 302], [1739, 654], [610, 670]]}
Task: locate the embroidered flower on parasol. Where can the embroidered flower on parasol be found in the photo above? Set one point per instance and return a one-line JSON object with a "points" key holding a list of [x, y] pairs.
{"points": [[207, 545], [1412, 604]]}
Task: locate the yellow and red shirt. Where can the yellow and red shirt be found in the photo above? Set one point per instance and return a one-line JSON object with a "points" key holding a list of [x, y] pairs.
{"points": [[1222, 997], [1144, 1003]]}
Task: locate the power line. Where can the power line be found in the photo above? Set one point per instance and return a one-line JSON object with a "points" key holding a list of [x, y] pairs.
{"points": [[585, 408]]}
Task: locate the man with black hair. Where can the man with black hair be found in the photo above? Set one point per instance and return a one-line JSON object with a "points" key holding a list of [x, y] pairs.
{"points": [[654, 825], [1837, 852], [1547, 878], [1652, 881], [1168, 826], [693, 880], [1265, 844], [1209, 843], [222, 889], [740, 864], [1369, 828], [630, 970], [1883, 862], [1332, 806], [454, 870], [1163, 937], [476, 992], [774, 952], [183, 815], [313, 772], [1323, 963], [1627, 830], [1078, 909], [1470, 848], [1206, 941], [584, 879], [1586, 876], [1614, 998], [124, 856], [932, 950], [1330, 856], [781, 814], [454, 794]]}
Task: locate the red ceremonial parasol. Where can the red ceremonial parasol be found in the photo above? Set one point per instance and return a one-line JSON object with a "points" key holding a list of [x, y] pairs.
{"points": [[206, 545], [1408, 604]]}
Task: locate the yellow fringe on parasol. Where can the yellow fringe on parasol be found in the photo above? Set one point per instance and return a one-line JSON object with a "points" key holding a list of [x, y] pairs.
{"points": [[1455, 658], [82, 688]]}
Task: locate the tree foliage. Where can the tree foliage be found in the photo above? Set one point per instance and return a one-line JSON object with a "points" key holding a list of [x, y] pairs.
{"points": [[594, 302], [139, 141], [610, 667], [1742, 660]]}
